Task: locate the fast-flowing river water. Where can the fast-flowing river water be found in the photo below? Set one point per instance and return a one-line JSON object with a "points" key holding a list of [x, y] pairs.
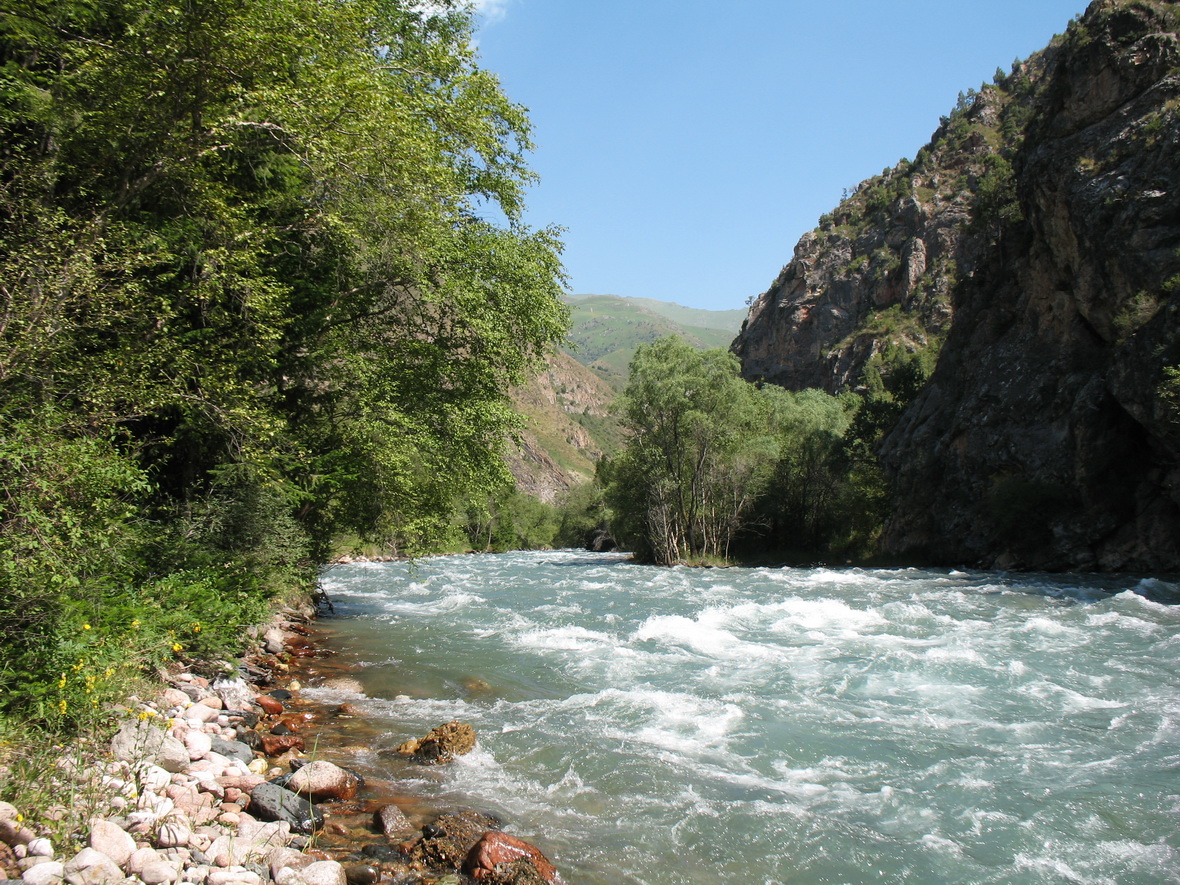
{"points": [[660, 726]]}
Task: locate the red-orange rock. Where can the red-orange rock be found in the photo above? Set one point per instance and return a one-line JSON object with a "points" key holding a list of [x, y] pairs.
{"points": [[270, 706], [293, 721], [497, 849], [275, 744]]}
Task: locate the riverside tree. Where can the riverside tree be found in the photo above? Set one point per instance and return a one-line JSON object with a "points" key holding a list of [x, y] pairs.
{"points": [[716, 465], [247, 263], [701, 450]]}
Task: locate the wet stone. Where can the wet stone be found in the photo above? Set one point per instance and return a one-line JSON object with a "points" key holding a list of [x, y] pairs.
{"points": [[360, 874], [272, 802]]}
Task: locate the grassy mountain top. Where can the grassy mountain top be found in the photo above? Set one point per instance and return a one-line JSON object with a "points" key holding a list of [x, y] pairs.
{"points": [[606, 329], [726, 320]]}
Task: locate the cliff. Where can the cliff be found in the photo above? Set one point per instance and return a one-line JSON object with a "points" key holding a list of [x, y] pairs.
{"points": [[1035, 246]]}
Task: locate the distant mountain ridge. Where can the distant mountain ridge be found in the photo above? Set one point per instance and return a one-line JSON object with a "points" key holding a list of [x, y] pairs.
{"points": [[606, 329]]}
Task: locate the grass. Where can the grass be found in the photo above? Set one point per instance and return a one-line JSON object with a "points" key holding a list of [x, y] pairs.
{"points": [[58, 782]]}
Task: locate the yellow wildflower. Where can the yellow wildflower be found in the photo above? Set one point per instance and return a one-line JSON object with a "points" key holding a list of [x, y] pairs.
{"points": [[176, 646], [85, 626]]}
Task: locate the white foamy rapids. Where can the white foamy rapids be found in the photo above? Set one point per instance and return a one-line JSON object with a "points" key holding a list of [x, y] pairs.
{"points": [[664, 726]]}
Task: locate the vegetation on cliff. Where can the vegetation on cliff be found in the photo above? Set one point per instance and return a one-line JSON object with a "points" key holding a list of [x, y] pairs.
{"points": [[250, 304]]}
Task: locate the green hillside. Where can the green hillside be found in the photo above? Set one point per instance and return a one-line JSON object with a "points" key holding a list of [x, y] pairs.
{"points": [[726, 320], [606, 329]]}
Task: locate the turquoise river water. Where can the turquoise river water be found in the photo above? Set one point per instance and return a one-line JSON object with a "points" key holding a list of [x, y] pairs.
{"points": [[668, 726]]}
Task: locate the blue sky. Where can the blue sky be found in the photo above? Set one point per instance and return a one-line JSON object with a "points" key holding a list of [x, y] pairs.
{"points": [[686, 145]]}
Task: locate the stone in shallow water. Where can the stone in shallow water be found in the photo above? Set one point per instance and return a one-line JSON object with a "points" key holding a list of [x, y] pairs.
{"points": [[321, 780], [360, 874], [392, 821], [441, 744], [501, 859], [449, 840], [273, 802]]}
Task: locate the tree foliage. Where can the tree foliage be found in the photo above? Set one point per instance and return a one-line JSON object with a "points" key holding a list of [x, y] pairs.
{"points": [[700, 452], [247, 263], [716, 466]]}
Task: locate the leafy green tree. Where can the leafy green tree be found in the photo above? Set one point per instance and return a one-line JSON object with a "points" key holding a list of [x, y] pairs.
{"points": [[699, 453], [247, 251], [582, 514]]}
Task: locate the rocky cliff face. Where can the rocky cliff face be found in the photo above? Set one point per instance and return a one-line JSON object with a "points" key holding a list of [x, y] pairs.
{"points": [[1048, 435], [882, 266]]}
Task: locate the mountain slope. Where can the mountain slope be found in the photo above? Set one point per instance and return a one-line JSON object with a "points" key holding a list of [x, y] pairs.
{"points": [[567, 406], [569, 427], [606, 330], [1035, 247]]}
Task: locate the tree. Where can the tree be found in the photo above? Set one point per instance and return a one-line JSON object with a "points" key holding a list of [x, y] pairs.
{"points": [[247, 247], [250, 232], [700, 451]]}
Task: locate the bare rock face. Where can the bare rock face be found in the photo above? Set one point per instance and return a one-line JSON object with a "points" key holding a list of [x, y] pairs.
{"points": [[877, 270], [1044, 438], [1034, 245], [555, 401]]}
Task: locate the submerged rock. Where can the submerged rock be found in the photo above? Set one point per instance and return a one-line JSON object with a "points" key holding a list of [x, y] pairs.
{"points": [[391, 821]]}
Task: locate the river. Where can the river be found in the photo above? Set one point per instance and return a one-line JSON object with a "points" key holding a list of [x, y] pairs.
{"points": [[668, 726]]}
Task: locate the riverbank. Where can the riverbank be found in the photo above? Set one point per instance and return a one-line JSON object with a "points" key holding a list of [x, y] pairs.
{"points": [[209, 783]]}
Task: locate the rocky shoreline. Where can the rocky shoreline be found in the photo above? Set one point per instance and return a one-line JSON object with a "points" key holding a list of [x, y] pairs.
{"points": [[211, 784]]}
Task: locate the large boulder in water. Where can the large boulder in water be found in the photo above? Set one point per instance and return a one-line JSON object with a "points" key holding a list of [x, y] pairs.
{"points": [[449, 840], [441, 744]]}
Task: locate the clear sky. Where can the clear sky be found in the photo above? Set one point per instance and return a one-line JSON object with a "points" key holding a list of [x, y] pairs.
{"points": [[686, 145]]}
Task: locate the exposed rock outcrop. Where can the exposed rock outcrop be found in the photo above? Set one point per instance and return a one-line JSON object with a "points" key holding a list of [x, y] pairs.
{"points": [[1036, 240], [441, 744], [1044, 439]]}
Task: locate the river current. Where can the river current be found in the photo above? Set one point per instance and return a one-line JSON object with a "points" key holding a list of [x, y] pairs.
{"points": [[667, 726]]}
